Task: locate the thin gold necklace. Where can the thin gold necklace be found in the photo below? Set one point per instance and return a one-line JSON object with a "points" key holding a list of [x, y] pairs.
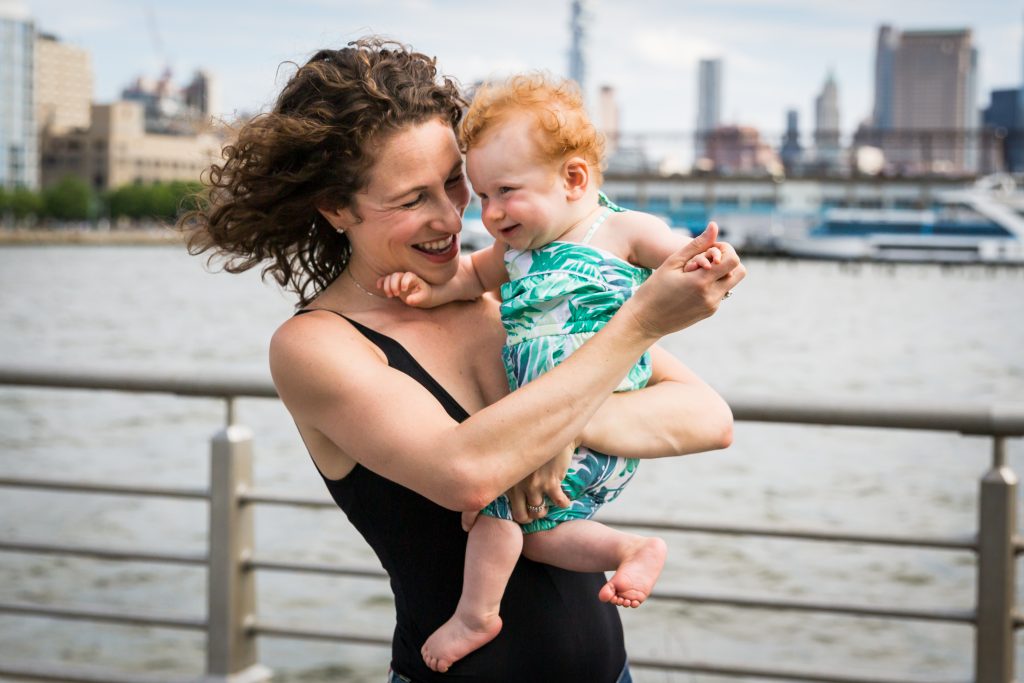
{"points": [[364, 289]]}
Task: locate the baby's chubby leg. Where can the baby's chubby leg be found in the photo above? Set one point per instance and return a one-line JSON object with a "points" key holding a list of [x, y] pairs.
{"points": [[491, 554], [584, 545]]}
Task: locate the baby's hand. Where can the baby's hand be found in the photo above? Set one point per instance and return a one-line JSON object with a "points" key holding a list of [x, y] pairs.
{"points": [[409, 287], [705, 260]]}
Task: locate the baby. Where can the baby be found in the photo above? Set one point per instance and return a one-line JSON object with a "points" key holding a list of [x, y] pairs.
{"points": [[566, 258]]}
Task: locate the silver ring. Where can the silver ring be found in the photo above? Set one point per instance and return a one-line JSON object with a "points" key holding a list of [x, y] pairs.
{"points": [[536, 508], [727, 295]]}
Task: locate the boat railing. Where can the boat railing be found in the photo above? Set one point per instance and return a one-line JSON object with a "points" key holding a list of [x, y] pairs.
{"points": [[232, 624]]}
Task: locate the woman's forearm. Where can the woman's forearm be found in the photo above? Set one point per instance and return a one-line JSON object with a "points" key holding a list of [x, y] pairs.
{"points": [[512, 438], [675, 414]]}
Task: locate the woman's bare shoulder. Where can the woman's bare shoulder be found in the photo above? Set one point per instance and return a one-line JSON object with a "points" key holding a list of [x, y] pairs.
{"points": [[306, 348]]}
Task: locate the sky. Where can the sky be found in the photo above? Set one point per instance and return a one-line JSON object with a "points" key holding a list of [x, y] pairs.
{"points": [[776, 53]]}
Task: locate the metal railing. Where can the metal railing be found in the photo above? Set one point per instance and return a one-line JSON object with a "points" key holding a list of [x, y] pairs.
{"points": [[232, 626]]}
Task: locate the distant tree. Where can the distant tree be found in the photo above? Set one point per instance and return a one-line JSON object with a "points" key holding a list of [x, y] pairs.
{"points": [[163, 204], [186, 192], [127, 201], [159, 201], [23, 203], [71, 199]]}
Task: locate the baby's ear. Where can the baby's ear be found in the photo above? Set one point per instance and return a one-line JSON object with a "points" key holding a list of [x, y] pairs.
{"points": [[576, 176]]}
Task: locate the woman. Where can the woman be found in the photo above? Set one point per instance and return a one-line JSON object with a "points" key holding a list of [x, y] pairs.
{"points": [[356, 173]]}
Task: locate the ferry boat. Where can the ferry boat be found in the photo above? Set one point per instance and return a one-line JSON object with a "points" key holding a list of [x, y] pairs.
{"points": [[981, 224]]}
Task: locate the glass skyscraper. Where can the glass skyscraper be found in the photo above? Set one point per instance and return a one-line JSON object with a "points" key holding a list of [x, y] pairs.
{"points": [[19, 140]]}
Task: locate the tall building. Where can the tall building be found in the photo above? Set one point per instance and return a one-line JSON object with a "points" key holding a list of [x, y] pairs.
{"points": [[1019, 127], [826, 125], [1002, 117], [791, 152], [608, 118], [578, 24], [202, 96], [63, 86], [885, 52], [926, 115], [709, 103], [19, 135]]}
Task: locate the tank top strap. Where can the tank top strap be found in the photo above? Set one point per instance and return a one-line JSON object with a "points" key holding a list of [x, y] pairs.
{"points": [[400, 359], [592, 230]]}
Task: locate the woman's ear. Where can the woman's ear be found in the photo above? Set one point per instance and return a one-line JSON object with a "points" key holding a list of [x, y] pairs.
{"points": [[576, 176], [340, 219]]}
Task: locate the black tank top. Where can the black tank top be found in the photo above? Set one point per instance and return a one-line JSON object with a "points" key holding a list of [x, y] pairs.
{"points": [[554, 627]]}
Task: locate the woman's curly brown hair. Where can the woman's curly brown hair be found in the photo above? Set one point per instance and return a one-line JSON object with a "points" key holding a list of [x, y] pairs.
{"points": [[313, 150]]}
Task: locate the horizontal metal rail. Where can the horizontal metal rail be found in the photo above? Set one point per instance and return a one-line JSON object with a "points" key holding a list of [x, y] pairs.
{"points": [[953, 616], [85, 674], [771, 673], [315, 568], [965, 542], [96, 553], [135, 382], [109, 616], [107, 489], [263, 628], [967, 418]]}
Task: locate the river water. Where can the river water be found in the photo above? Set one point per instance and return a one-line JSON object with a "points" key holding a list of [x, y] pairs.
{"points": [[915, 333]]}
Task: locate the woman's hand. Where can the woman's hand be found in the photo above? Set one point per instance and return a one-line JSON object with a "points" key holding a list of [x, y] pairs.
{"points": [[674, 298], [546, 481]]}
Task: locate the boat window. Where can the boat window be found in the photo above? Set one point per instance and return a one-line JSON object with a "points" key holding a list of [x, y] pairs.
{"points": [[986, 229], [658, 204]]}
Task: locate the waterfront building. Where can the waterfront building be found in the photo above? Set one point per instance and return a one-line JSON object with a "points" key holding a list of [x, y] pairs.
{"points": [[1003, 119], [116, 149], [608, 118], [739, 150], [63, 86], [709, 103], [925, 112], [791, 153], [19, 134], [826, 126]]}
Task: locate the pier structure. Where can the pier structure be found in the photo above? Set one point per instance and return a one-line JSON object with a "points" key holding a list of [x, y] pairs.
{"points": [[233, 624]]}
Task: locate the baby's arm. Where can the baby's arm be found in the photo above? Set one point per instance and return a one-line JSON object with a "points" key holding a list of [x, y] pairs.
{"points": [[649, 241], [478, 272]]}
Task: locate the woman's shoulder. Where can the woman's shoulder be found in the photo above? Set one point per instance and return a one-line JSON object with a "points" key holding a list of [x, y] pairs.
{"points": [[306, 345]]}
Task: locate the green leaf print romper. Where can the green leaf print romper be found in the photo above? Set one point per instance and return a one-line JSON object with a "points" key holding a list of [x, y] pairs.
{"points": [[557, 297]]}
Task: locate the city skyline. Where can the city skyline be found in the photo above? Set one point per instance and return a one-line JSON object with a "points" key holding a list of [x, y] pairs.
{"points": [[775, 54]]}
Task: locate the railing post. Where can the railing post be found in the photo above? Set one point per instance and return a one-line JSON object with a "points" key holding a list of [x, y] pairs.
{"points": [[231, 591], [994, 646]]}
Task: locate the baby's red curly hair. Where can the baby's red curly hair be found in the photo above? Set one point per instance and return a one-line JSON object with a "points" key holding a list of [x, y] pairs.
{"points": [[563, 127]]}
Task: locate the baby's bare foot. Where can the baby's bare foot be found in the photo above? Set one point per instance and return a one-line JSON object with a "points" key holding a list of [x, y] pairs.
{"points": [[634, 580], [457, 638]]}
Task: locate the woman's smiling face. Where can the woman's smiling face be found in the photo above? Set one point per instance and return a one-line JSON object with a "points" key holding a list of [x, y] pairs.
{"points": [[411, 208]]}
